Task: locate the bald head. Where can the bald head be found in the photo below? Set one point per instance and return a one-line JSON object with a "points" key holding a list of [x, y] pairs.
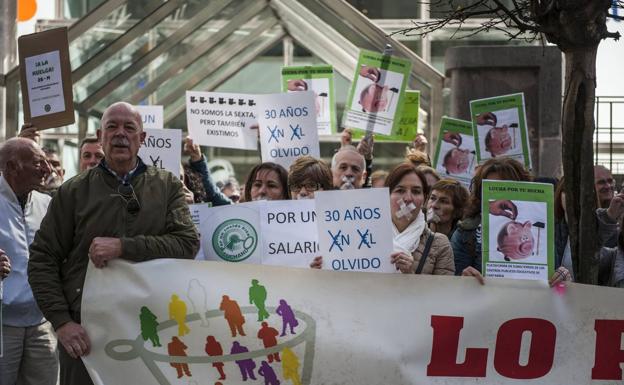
{"points": [[122, 106], [23, 165], [121, 134], [348, 168], [15, 149]]}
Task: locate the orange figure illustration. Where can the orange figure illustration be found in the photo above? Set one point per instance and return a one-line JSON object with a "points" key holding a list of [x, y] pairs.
{"points": [[177, 348], [177, 312], [290, 366], [233, 315], [213, 348], [268, 335]]}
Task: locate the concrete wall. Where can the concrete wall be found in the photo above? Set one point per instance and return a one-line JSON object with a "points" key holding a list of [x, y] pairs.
{"points": [[484, 71]]}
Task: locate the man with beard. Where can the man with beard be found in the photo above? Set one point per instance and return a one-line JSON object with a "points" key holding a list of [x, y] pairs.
{"points": [[55, 179], [119, 209]]}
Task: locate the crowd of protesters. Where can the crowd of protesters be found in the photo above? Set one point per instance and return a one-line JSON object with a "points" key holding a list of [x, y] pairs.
{"points": [[118, 207]]}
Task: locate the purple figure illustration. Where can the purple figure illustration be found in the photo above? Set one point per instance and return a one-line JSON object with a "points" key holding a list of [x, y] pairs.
{"points": [[246, 366], [266, 371], [288, 317]]}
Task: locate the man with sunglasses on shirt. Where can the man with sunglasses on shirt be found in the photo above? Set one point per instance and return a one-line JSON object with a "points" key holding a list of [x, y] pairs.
{"points": [[120, 209]]}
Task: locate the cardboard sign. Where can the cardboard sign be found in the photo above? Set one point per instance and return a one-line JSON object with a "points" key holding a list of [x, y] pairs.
{"points": [[407, 329], [355, 229], [320, 80], [518, 230], [218, 119], [45, 77], [407, 128], [287, 127], [499, 128], [152, 116], [283, 233], [376, 97], [162, 148], [455, 155]]}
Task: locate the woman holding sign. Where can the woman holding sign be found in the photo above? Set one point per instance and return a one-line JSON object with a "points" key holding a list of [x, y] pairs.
{"points": [[308, 175], [416, 248]]}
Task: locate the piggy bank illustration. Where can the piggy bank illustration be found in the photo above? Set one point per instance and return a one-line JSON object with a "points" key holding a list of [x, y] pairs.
{"points": [[515, 240]]}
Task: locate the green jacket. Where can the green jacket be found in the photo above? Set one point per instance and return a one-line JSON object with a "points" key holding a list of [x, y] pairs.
{"points": [[89, 206]]}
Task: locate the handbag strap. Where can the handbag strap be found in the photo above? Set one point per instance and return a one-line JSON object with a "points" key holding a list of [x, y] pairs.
{"points": [[425, 254]]}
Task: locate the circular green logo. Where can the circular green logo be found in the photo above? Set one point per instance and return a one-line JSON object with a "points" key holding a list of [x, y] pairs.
{"points": [[234, 240]]}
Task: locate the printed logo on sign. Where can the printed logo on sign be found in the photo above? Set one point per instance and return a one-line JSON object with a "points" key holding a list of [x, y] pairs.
{"points": [[234, 240]]}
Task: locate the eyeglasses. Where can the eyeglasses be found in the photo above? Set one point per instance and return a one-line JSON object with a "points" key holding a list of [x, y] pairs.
{"points": [[126, 191], [309, 186]]}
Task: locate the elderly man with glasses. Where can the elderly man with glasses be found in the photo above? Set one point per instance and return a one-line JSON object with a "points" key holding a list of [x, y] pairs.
{"points": [[118, 209]]}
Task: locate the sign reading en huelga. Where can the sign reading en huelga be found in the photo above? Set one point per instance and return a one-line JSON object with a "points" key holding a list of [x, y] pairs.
{"points": [[45, 77], [218, 119], [241, 324], [263, 232]]}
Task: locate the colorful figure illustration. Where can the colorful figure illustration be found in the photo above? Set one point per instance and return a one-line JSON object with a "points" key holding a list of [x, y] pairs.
{"points": [[266, 371], [268, 335], [213, 348], [246, 366], [177, 348], [257, 296], [177, 312], [197, 295], [233, 315], [288, 317], [149, 326], [290, 366]]}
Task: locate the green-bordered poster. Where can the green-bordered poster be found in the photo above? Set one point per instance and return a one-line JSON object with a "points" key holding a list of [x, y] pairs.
{"points": [[320, 80], [376, 96], [518, 230], [455, 155], [407, 128], [500, 128]]}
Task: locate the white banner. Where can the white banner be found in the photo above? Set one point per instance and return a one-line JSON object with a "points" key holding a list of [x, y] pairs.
{"points": [[162, 148], [218, 119], [206, 325], [283, 232], [153, 116], [355, 229], [287, 127]]}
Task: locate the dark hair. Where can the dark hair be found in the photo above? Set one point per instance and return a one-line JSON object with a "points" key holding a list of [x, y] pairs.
{"points": [[508, 168], [308, 168], [282, 175], [459, 195], [86, 141], [396, 174]]}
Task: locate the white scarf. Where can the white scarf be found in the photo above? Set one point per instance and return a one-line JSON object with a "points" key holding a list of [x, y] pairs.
{"points": [[408, 240]]}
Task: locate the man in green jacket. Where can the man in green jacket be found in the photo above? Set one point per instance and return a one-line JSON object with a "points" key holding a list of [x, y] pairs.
{"points": [[119, 209]]}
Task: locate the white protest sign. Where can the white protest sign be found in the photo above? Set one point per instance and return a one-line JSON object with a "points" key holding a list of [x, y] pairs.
{"points": [[162, 148], [45, 86], [199, 213], [287, 127], [152, 116], [355, 229], [218, 119], [231, 233], [289, 233]]}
